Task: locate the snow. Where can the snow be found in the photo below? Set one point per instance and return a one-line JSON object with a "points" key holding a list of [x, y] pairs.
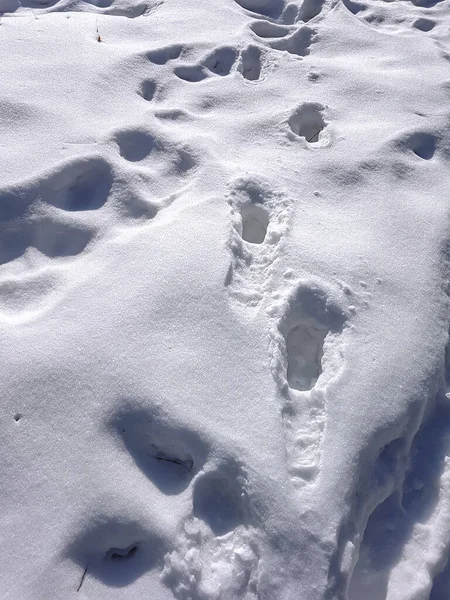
{"points": [[224, 262]]}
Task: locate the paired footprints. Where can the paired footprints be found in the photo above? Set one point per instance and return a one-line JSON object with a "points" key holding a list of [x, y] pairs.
{"points": [[386, 15], [220, 62], [305, 328], [282, 11], [175, 460], [277, 23], [45, 224], [119, 8]]}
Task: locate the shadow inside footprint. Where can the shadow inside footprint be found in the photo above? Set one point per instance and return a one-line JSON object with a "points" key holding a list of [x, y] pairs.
{"points": [[161, 56], [191, 73], [265, 8], [424, 24], [116, 552], [309, 320], [307, 121], [148, 89], [168, 455], [55, 239], [135, 145], [255, 220], [250, 63], [79, 186], [423, 145], [221, 60], [265, 29], [218, 502]]}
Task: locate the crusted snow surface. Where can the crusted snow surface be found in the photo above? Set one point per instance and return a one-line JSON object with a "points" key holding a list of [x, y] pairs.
{"points": [[224, 315]]}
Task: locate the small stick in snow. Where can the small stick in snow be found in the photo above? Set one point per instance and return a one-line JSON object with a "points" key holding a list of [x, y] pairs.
{"points": [[82, 578], [313, 136], [99, 39]]}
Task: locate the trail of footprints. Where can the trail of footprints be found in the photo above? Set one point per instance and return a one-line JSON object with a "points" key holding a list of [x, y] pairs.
{"points": [[305, 324], [50, 222]]}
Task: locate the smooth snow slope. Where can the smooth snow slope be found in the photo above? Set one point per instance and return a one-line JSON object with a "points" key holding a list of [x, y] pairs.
{"points": [[224, 249]]}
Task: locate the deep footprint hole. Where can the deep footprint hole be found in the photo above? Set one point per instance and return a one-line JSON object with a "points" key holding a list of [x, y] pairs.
{"points": [[221, 61], [423, 145], [135, 145], [304, 346], [310, 319], [255, 220], [424, 24], [148, 90], [308, 122], [217, 502]]}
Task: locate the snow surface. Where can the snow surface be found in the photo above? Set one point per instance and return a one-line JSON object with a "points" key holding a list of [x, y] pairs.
{"points": [[224, 261]]}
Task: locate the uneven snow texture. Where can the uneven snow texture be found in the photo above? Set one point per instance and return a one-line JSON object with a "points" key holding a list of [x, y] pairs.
{"points": [[224, 261]]}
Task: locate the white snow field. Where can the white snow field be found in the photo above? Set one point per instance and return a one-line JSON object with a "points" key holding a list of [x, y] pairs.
{"points": [[224, 299]]}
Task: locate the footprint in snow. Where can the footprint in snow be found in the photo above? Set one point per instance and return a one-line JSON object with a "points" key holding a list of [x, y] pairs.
{"points": [[306, 335], [295, 40], [169, 455], [119, 8], [398, 15], [115, 551], [259, 218], [48, 223], [307, 122], [217, 554], [282, 11], [221, 62]]}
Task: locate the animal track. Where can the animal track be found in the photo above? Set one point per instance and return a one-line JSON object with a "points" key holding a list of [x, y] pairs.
{"points": [[307, 121], [424, 24], [191, 73], [84, 185], [221, 61], [167, 455], [396, 15], [265, 29], [271, 9], [50, 218], [293, 40]]}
